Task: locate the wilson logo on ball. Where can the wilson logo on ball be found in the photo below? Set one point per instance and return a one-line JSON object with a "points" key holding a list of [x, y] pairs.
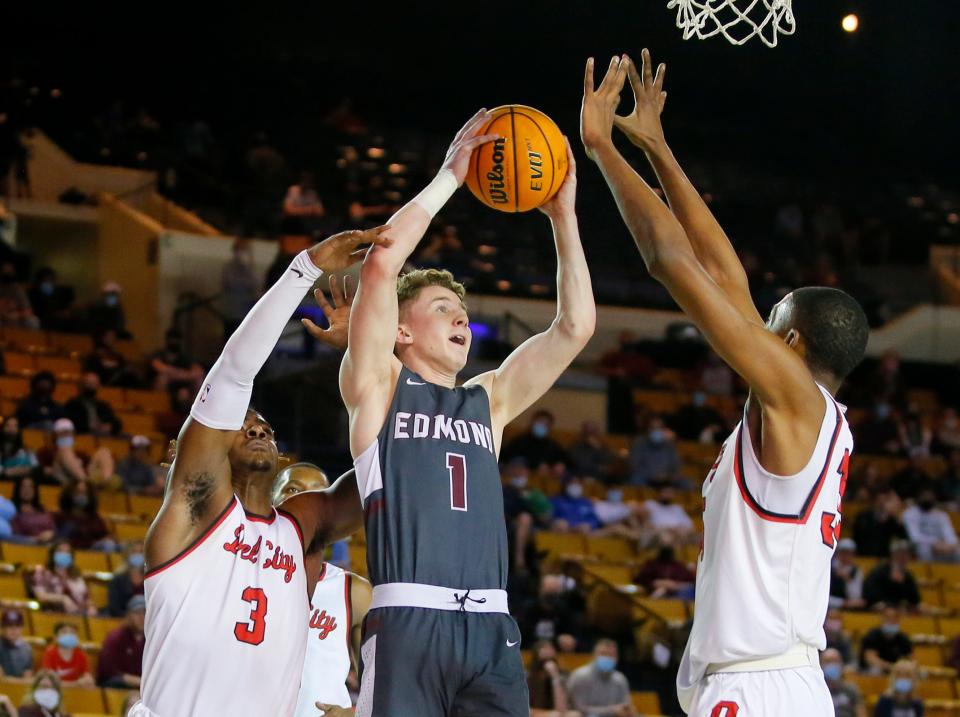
{"points": [[524, 167]]}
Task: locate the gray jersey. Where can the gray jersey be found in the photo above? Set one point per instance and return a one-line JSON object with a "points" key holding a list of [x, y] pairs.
{"points": [[431, 490]]}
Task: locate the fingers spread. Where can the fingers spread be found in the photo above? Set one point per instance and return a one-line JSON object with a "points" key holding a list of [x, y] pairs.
{"points": [[469, 122], [333, 290], [647, 69], [661, 73], [322, 301], [608, 79], [588, 77], [314, 330], [635, 82], [349, 290]]}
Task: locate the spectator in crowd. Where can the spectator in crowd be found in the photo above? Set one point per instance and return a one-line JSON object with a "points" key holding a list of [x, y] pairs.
{"points": [[121, 656], [140, 475], [78, 521], [15, 309], [536, 446], [590, 456], [127, 581], [879, 432], [948, 432], [666, 577], [302, 207], [866, 483], [884, 645], [51, 303], [693, 418], [8, 512], [38, 409], [59, 585], [45, 698], [557, 614], [170, 366], [65, 463], [716, 378], [654, 457], [33, 523], [665, 515], [929, 528], [108, 363], [915, 435], [887, 379], [16, 656], [874, 530], [847, 700], [891, 582], [524, 496], [170, 422], [837, 638], [573, 511], [239, 286], [17, 460], [616, 515], [627, 362], [90, 414], [519, 518], [65, 658], [548, 693], [900, 699], [107, 313], [846, 577], [599, 689], [909, 480]]}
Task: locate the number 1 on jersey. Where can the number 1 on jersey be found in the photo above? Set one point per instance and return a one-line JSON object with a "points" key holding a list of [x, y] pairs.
{"points": [[457, 465]]}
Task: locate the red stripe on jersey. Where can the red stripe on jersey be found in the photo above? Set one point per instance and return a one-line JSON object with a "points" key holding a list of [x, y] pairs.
{"points": [[798, 518], [255, 518], [195, 544], [323, 571], [347, 599]]}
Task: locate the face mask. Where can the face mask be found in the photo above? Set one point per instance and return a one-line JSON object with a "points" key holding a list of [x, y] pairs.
{"points": [[47, 697], [575, 490], [47, 288], [519, 481], [699, 399], [68, 640], [136, 560], [925, 505], [540, 430], [615, 496], [832, 671], [64, 441], [658, 435], [903, 684], [80, 501], [890, 629], [833, 625], [883, 410], [111, 299], [605, 663], [62, 560]]}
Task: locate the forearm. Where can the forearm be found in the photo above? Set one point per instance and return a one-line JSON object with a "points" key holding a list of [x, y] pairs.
{"points": [[576, 309]]}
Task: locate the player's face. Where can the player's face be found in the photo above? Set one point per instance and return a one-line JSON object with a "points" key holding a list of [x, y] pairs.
{"points": [[254, 447], [437, 327], [291, 482]]}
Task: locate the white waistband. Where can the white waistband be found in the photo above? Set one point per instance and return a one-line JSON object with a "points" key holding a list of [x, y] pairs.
{"points": [[435, 597], [800, 655]]}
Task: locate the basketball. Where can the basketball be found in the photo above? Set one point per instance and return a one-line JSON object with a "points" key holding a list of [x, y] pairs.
{"points": [[524, 167]]}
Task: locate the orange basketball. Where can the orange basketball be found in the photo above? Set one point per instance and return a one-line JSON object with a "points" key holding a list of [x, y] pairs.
{"points": [[525, 167]]}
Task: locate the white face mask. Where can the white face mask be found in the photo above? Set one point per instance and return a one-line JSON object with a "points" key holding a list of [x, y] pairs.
{"points": [[47, 697]]}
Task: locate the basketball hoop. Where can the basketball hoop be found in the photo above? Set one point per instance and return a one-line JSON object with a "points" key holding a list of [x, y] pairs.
{"points": [[736, 20]]}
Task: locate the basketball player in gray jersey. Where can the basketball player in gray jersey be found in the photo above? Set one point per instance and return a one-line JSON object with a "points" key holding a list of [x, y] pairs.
{"points": [[439, 640]]}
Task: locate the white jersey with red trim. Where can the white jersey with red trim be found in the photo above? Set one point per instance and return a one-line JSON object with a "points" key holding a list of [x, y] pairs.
{"points": [[763, 578], [327, 662], [224, 622]]}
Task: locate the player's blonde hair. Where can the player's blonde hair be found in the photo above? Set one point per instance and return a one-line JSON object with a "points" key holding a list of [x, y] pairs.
{"points": [[410, 284]]}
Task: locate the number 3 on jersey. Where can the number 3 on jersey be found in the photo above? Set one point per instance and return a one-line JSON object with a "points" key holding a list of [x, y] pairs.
{"points": [[252, 632], [457, 465], [829, 532]]}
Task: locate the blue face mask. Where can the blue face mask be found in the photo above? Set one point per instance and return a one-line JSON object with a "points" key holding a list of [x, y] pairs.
{"points": [[574, 490], [111, 299], [65, 442], [540, 430], [136, 560], [903, 685], [605, 663], [658, 436], [615, 496], [62, 560], [699, 398], [833, 671], [890, 629], [46, 288], [68, 640]]}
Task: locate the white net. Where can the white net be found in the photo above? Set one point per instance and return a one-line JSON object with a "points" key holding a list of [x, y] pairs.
{"points": [[736, 20]]}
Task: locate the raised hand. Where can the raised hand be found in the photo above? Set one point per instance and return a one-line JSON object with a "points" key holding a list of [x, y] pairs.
{"points": [[643, 126], [339, 251], [467, 140], [563, 202], [600, 106], [337, 311]]}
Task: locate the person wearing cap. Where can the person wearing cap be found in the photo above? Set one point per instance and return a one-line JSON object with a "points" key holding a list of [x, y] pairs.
{"points": [[892, 582], [121, 656], [16, 656], [90, 414], [38, 409], [846, 577], [139, 474], [66, 464], [65, 658], [106, 314]]}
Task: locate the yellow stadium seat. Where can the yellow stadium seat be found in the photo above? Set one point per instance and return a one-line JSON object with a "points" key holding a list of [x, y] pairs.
{"points": [[928, 655], [138, 423], [92, 561], [65, 391], [99, 594], [6, 489], [116, 700], [12, 586], [60, 366], [127, 532], [85, 443], [72, 344], [870, 685], [557, 544], [668, 609], [932, 595], [949, 627], [27, 555], [611, 548], [948, 572], [860, 623], [100, 626], [145, 506], [119, 447], [646, 703], [113, 502], [611, 573], [148, 401], [83, 699], [34, 439], [31, 340], [936, 688], [918, 624], [113, 395], [15, 690], [50, 497], [42, 623], [569, 661], [91, 714], [14, 387], [19, 364]]}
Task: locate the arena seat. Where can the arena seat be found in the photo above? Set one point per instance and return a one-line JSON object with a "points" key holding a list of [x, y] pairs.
{"points": [[91, 561], [29, 340], [610, 572], [12, 586], [60, 366], [6, 489], [148, 401], [115, 699], [135, 423], [128, 532], [83, 699], [646, 703], [50, 497], [14, 387], [25, 555], [918, 624], [65, 391], [119, 447], [668, 609], [113, 395], [949, 627], [129, 349], [34, 439], [145, 506], [71, 344], [15, 689], [936, 688], [859, 623], [100, 626], [85, 443], [557, 544], [99, 594], [113, 502], [949, 573], [19, 364], [42, 623], [932, 595], [869, 684], [928, 655], [611, 548]]}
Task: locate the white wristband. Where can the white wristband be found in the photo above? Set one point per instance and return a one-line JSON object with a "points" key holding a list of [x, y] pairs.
{"points": [[437, 193], [303, 266]]}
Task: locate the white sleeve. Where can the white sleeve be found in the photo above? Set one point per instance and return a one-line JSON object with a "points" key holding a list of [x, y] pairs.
{"points": [[225, 395]]}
